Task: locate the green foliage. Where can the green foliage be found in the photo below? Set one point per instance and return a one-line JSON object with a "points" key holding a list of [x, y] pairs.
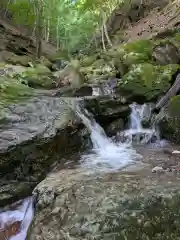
{"points": [[23, 12], [148, 80], [70, 24], [12, 90], [143, 47]]}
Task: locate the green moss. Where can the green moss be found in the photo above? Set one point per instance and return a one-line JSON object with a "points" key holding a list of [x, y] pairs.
{"points": [[87, 61], [141, 46], [148, 80], [12, 91], [173, 119], [39, 77], [20, 60], [174, 109], [37, 70], [177, 38], [99, 68], [134, 53], [144, 218]]}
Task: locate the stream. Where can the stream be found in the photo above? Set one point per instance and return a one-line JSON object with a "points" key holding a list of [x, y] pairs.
{"points": [[106, 155]]}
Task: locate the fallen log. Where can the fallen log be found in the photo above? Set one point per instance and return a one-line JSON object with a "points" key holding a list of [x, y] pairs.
{"points": [[171, 93]]}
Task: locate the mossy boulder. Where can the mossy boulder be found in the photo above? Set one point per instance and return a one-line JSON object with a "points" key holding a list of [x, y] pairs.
{"points": [[12, 91], [107, 109], [114, 206], [45, 62], [116, 61], [20, 60], [177, 39], [133, 53], [99, 69], [166, 53], [70, 75], [147, 81], [39, 76], [88, 60], [140, 51], [170, 123]]}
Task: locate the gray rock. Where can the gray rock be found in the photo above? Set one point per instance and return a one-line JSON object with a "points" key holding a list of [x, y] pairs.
{"points": [[111, 206], [114, 127], [166, 53], [83, 91], [34, 135], [59, 64], [106, 109]]}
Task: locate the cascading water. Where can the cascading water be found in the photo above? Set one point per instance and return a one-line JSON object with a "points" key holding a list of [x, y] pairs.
{"points": [[107, 155], [14, 223], [136, 131]]}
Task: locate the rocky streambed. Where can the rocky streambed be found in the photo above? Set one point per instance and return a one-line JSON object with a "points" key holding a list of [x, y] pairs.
{"points": [[77, 182], [133, 203], [78, 202]]}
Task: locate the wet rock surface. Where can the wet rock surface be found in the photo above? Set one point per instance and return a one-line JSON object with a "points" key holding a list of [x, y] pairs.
{"points": [[114, 127], [166, 53], [130, 204], [106, 108], [34, 134], [169, 120]]}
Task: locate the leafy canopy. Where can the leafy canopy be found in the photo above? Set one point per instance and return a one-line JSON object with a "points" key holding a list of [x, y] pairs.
{"points": [[68, 23]]}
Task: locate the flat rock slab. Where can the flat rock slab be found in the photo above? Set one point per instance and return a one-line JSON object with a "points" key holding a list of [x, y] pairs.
{"points": [[132, 203], [40, 116], [34, 135]]}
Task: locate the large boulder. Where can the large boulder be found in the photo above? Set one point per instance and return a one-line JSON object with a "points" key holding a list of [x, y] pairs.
{"points": [[35, 133], [20, 60], [84, 90], [70, 75], [11, 58], [169, 123], [59, 64], [39, 76], [35, 76], [166, 53], [106, 108], [114, 127], [117, 205], [147, 81], [12, 91]]}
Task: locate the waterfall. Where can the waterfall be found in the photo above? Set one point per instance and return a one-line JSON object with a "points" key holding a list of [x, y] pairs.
{"points": [[106, 155], [14, 223], [136, 131]]}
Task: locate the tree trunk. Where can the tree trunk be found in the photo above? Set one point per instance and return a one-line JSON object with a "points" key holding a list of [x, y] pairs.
{"points": [[39, 29], [171, 93]]}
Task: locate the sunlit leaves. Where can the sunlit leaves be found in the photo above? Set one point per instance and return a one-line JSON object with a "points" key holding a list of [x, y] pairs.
{"points": [[71, 23]]}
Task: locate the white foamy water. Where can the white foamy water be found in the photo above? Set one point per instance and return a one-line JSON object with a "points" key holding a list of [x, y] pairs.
{"points": [[106, 155], [23, 213], [136, 131]]}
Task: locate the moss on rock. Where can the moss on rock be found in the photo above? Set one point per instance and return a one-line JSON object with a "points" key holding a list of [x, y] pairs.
{"points": [[170, 124], [20, 60], [177, 38], [117, 60], [154, 217], [39, 76], [148, 80], [12, 91], [133, 53], [99, 68]]}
